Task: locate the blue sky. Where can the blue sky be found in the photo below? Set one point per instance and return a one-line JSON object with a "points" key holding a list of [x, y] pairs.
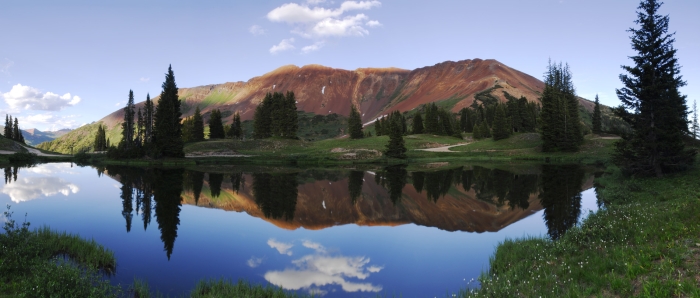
{"points": [[67, 63]]}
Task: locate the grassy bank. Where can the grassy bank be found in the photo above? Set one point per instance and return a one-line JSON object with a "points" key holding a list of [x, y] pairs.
{"points": [[368, 150], [644, 242]]}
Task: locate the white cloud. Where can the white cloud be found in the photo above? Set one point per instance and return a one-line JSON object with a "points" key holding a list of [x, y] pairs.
{"points": [[28, 98], [144, 80], [309, 20], [51, 169], [281, 247], [256, 30], [48, 121], [348, 26], [313, 245], [373, 23], [312, 48], [284, 45], [312, 272], [30, 188], [315, 271], [254, 262]]}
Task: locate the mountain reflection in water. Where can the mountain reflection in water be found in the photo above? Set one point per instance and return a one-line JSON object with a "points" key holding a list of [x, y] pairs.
{"points": [[468, 198]]}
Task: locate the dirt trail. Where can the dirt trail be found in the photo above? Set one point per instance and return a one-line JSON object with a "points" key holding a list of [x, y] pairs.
{"points": [[443, 149], [31, 150]]}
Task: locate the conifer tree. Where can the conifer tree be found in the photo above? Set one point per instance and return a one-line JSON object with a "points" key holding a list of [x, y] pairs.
{"points": [[378, 127], [484, 130], [651, 100], [216, 126], [8, 127], [355, 123], [501, 129], [561, 126], [236, 129], [417, 124], [188, 130], [695, 120], [148, 120], [139, 128], [100, 139], [431, 119], [476, 132], [262, 118], [597, 118], [197, 127], [128, 124], [16, 133], [291, 119], [167, 119], [396, 147]]}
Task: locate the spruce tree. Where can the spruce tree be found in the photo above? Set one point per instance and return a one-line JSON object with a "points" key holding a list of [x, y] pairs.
{"points": [[16, 134], [216, 126], [561, 126], [417, 124], [188, 130], [238, 129], [597, 118], [501, 129], [128, 124], [476, 132], [484, 130], [148, 120], [695, 120], [139, 128], [167, 118], [8, 127], [651, 100], [355, 123], [378, 127], [197, 130], [291, 120], [396, 147], [262, 118]]}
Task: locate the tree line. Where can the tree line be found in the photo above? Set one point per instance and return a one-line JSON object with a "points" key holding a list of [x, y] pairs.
{"points": [[12, 130]]}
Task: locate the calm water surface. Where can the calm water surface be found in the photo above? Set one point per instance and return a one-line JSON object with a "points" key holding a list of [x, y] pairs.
{"points": [[338, 232]]}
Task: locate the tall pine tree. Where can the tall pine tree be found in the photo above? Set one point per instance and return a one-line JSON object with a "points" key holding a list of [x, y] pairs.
{"points": [[236, 129], [651, 100], [501, 128], [128, 124], [216, 127], [197, 129], [355, 123], [561, 126], [396, 147], [597, 117], [417, 123], [8, 127], [695, 127], [167, 118], [148, 120]]}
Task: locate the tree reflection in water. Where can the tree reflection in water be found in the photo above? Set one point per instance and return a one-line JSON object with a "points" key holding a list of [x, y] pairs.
{"points": [[355, 181], [560, 195], [276, 194], [147, 186]]}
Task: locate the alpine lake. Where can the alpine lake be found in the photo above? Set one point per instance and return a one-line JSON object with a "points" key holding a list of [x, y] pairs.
{"points": [[423, 231]]}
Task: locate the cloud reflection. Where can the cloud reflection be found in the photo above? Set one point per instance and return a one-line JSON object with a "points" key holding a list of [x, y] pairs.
{"points": [[311, 272], [30, 188], [281, 247], [52, 168]]}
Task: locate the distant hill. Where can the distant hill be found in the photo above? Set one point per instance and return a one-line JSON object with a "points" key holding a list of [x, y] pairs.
{"points": [[322, 91], [34, 136]]}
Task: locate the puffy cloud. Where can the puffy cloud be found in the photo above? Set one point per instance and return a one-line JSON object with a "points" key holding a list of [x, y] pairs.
{"points": [[313, 245], [281, 247], [312, 48], [256, 30], [309, 20], [373, 23], [28, 98], [48, 120], [254, 262], [144, 80], [51, 169], [30, 188], [284, 45], [312, 272]]}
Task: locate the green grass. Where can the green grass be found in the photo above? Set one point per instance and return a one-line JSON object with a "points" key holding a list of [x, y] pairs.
{"points": [[10, 145], [645, 242]]}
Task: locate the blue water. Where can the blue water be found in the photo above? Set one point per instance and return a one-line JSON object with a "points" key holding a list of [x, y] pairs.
{"points": [[337, 260]]}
